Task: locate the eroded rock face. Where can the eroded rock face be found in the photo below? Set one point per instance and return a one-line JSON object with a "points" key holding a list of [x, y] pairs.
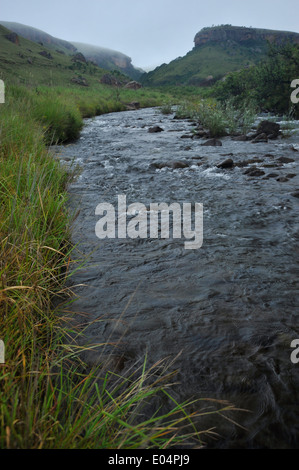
{"points": [[13, 37], [80, 81], [108, 79], [242, 35], [79, 57], [46, 54], [133, 85]]}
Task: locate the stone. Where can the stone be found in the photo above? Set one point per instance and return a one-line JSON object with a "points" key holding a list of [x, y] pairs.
{"points": [[132, 106], [212, 143], [46, 54], [282, 179], [155, 129], [295, 194], [108, 79], [79, 81], [269, 128], [254, 172], [285, 160], [229, 163], [260, 138], [240, 138], [179, 164], [133, 85], [200, 134]]}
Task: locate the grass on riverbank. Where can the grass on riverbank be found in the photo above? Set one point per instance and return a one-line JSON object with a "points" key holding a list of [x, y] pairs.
{"points": [[220, 119], [47, 398]]}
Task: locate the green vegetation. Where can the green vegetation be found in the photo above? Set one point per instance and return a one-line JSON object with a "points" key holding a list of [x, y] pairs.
{"points": [[266, 85], [209, 60], [219, 119], [49, 398]]}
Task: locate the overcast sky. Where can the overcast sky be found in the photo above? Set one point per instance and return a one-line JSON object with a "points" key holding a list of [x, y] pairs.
{"points": [[151, 32]]}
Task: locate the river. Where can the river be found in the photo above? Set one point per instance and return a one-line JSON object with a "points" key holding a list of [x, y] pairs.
{"points": [[225, 313]]}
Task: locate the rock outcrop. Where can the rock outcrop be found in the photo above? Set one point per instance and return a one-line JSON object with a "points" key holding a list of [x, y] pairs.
{"points": [[242, 35]]}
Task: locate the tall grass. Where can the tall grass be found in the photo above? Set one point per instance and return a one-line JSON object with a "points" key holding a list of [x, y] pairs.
{"points": [[48, 397], [220, 119]]}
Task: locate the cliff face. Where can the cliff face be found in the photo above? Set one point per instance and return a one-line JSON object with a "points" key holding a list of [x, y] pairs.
{"points": [[109, 59], [242, 35], [218, 51]]}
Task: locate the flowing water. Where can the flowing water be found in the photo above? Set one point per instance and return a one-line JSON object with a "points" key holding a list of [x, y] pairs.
{"points": [[229, 308]]}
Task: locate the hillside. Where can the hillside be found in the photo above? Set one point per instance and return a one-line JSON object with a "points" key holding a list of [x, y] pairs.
{"points": [[217, 51], [38, 36], [105, 58], [25, 62], [109, 59]]}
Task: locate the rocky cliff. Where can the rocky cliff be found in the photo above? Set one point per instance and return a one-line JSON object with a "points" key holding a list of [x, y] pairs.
{"points": [[242, 35], [109, 59], [218, 50]]}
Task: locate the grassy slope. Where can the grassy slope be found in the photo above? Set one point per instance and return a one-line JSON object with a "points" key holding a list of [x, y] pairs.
{"points": [[38, 36], [105, 58], [211, 59], [15, 64]]}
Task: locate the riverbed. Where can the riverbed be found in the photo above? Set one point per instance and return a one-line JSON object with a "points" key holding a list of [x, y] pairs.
{"points": [[224, 314]]}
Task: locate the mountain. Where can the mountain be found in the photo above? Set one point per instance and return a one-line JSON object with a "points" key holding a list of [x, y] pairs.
{"points": [[26, 62], [109, 59], [217, 51], [40, 37], [105, 58]]}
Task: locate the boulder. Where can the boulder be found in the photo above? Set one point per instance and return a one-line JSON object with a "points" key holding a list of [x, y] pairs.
{"points": [[200, 134], [254, 172], [46, 54], [108, 79], [179, 165], [229, 163], [212, 143], [133, 85], [155, 129], [240, 138], [79, 81], [285, 160], [132, 106], [269, 128], [260, 138]]}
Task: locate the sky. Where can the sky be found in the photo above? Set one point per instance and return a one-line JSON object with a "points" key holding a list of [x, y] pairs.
{"points": [[150, 32]]}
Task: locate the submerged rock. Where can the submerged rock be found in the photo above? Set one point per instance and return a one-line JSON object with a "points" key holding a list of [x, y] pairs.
{"points": [[155, 129], [212, 143], [286, 160], [254, 172]]}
